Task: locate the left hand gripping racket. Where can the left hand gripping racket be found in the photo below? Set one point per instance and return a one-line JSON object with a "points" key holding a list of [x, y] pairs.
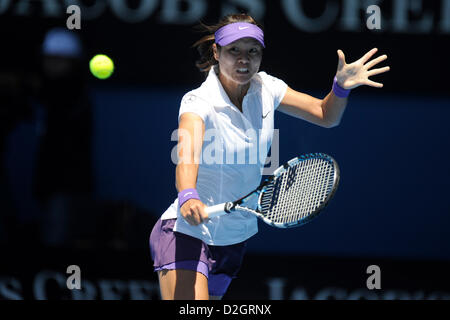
{"points": [[294, 195]]}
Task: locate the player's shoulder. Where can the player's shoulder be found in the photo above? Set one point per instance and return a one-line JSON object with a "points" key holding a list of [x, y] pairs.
{"points": [[266, 78], [194, 101], [260, 81], [196, 96], [266, 81], [262, 74]]}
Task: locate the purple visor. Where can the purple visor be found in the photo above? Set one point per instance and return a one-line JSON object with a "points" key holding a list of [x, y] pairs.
{"points": [[238, 30]]}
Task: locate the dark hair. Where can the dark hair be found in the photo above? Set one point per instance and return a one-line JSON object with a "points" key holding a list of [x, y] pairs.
{"points": [[205, 44]]}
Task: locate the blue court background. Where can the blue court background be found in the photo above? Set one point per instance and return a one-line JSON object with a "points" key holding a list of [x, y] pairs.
{"points": [[392, 150]]}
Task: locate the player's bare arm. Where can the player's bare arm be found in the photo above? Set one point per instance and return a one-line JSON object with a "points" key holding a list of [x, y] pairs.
{"points": [[190, 141], [328, 112]]}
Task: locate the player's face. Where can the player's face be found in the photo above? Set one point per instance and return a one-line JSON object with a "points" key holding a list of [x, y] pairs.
{"points": [[240, 60]]}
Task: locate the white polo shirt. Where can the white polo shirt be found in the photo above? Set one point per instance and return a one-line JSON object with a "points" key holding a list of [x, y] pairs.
{"points": [[234, 151]]}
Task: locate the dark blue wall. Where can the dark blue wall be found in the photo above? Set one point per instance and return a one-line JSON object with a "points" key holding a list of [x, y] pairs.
{"points": [[392, 151]]}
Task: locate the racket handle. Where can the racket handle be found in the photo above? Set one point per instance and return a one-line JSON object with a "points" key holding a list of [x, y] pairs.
{"points": [[216, 211]]}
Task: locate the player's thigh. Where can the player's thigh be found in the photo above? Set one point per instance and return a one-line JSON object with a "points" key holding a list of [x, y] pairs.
{"points": [[183, 285]]}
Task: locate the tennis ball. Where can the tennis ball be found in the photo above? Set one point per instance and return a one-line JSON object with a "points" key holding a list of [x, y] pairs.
{"points": [[101, 66]]}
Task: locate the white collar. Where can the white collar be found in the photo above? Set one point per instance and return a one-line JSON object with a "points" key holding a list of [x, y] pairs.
{"points": [[218, 95]]}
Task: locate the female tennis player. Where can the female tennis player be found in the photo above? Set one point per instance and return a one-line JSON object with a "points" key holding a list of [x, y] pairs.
{"points": [[230, 113]]}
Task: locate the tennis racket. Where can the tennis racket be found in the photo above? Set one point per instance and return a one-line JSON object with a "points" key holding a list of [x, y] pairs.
{"points": [[295, 194]]}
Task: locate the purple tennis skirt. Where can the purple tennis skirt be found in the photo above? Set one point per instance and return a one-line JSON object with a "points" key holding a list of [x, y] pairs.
{"points": [[174, 250]]}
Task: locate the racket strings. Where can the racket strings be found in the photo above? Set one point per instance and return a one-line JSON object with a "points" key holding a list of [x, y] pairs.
{"points": [[298, 192]]}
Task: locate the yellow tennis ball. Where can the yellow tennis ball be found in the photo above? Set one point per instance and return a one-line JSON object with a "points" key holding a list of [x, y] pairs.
{"points": [[101, 66]]}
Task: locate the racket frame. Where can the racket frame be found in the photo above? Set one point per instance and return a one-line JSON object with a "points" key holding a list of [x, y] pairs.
{"points": [[229, 207]]}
